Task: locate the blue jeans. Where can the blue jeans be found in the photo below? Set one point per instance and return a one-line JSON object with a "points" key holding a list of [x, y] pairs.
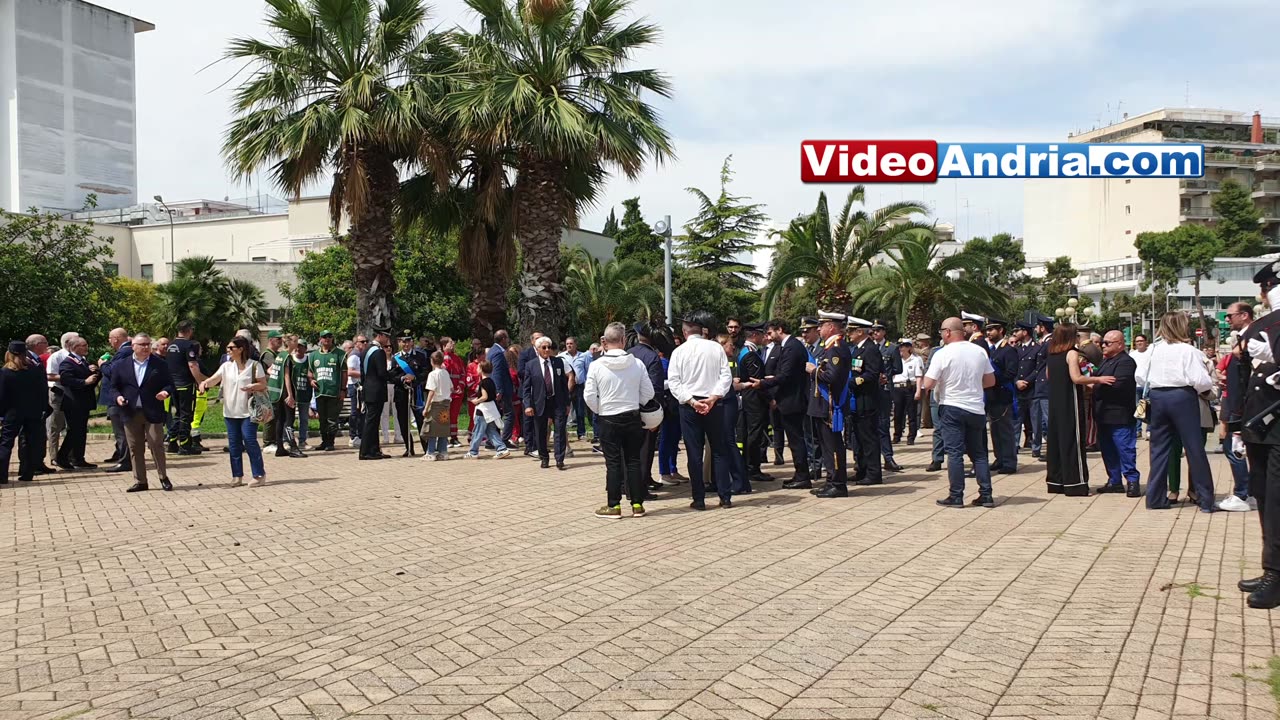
{"points": [[242, 435], [580, 410], [437, 446], [669, 440], [1004, 436], [1239, 470], [700, 431], [1119, 445], [482, 429], [965, 433], [1039, 423], [304, 418], [939, 454]]}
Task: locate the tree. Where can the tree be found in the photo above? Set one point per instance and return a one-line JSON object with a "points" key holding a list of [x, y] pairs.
{"points": [[1190, 247], [999, 261], [611, 224], [432, 295], [328, 92], [721, 232], [137, 306], [833, 258], [552, 83], [1238, 220], [52, 277], [324, 297], [601, 293], [697, 289], [218, 306], [919, 288], [636, 239]]}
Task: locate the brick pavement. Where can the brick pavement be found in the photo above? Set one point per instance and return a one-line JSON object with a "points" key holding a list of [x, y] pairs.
{"points": [[486, 589]]}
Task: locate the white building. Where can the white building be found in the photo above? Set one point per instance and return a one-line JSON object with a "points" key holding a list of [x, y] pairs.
{"points": [[1096, 219], [67, 122]]}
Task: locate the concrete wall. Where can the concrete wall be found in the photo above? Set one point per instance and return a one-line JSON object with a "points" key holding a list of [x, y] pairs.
{"points": [[74, 94], [266, 276], [231, 239]]}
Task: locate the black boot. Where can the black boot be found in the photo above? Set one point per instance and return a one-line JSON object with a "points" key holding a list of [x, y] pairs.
{"points": [[1267, 595], [1132, 490], [1249, 585], [777, 458]]}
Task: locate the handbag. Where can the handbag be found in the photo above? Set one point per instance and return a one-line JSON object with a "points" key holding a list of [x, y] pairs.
{"points": [[1144, 405], [260, 408]]}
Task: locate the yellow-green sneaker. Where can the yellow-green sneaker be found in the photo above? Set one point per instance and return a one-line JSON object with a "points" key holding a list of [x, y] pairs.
{"points": [[610, 513], [637, 510]]}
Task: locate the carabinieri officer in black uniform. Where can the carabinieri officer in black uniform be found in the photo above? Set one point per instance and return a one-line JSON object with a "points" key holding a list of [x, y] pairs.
{"points": [[829, 378], [890, 365], [1026, 379], [407, 376], [864, 367]]}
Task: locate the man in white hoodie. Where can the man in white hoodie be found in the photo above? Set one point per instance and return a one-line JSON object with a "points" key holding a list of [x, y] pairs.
{"points": [[617, 385]]}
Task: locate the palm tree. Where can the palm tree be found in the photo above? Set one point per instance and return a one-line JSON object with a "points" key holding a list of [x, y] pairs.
{"points": [[601, 293], [217, 305], [244, 305], [330, 90], [918, 287], [811, 250], [551, 83]]}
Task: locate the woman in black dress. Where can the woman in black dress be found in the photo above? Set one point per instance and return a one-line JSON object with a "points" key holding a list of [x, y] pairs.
{"points": [[1068, 470]]}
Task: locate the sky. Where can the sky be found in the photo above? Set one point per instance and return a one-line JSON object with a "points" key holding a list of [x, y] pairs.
{"points": [[753, 78]]}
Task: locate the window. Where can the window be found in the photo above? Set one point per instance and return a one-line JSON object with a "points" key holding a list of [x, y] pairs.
{"points": [[259, 258], [148, 273], [1128, 180], [1128, 209], [110, 269]]}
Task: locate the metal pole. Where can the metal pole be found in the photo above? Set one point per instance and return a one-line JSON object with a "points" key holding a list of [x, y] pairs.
{"points": [[666, 252], [172, 260]]}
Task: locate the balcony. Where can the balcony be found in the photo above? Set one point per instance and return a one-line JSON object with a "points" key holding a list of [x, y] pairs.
{"points": [[1266, 188], [1196, 213], [1230, 160], [1198, 187], [1267, 162]]}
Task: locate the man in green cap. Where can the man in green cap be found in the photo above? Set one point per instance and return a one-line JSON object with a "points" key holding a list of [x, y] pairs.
{"points": [[328, 369], [268, 359]]}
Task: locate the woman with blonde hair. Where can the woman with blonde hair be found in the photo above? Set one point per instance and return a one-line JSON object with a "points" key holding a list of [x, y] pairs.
{"points": [[1175, 379]]}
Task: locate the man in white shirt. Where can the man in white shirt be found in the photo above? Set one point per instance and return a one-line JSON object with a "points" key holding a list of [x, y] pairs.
{"points": [[617, 384], [959, 371], [56, 422], [698, 376], [1141, 355], [906, 393]]}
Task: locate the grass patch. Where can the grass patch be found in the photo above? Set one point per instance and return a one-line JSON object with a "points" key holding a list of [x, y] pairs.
{"points": [[1194, 590], [930, 707], [1273, 678]]}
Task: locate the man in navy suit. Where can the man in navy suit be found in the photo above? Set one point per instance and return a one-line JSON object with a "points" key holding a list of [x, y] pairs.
{"points": [[501, 376], [546, 398], [142, 384], [121, 351], [526, 358], [787, 386]]}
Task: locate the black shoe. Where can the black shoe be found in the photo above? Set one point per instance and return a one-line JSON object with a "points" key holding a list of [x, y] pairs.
{"points": [[63, 465], [112, 460], [762, 477], [119, 468], [650, 497], [897, 440], [1109, 488], [777, 458], [954, 502], [933, 467], [993, 469], [84, 465], [833, 491], [1132, 490], [892, 466], [726, 503], [698, 505], [796, 484], [560, 466], [44, 470], [1007, 471], [1267, 595], [406, 453], [864, 482], [226, 449], [654, 485], [1250, 584], [189, 450], [910, 443], [362, 457], [165, 484], [137, 487], [173, 447], [545, 464], [985, 501]]}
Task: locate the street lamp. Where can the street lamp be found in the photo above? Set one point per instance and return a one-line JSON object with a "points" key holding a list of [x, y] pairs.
{"points": [[663, 228], [170, 214]]}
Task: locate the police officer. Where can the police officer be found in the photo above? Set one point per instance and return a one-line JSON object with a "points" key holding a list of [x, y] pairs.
{"points": [[1001, 415], [1024, 383], [813, 344], [1040, 386], [974, 329], [1257, 349], [890, 365], [864, 373], [407, 376], [755, 403], [829, 378]]}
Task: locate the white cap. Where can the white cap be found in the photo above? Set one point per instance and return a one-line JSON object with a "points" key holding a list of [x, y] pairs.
{"points": [[824, 315], [972, 317], [858, 322]]}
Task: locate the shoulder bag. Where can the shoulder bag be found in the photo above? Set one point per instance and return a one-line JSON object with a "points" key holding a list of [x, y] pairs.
{"points": [[1144, 404], [260, 409]]}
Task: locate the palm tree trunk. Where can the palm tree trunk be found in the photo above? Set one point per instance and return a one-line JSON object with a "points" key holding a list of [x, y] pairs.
{"points": [[488, 305], [917, 321], [542, 208], [372, 241]]}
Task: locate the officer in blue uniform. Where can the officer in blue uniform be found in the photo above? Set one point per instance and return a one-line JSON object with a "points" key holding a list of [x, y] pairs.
{"points": [[1040, 389], [812, 344], [864, 373], [1025, 381], [829, 380], [890, 365], [974, 325], [1001, 414]]}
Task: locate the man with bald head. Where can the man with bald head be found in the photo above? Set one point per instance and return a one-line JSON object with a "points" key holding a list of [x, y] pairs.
{"points": [[1113, 407], [958, 374], [121, 351]]}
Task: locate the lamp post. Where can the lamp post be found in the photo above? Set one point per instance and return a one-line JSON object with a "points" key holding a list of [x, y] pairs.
{"points": [[663, 228], [170, 214], [1071, 312]]}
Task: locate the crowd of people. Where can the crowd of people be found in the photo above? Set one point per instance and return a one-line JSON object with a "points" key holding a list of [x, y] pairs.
{"points": [[831, 389]]}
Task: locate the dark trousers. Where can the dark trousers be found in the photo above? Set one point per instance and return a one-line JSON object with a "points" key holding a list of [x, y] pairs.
{"points": [[738, 480], [401, 405], [939, 452], [370, 435], [508, 418], [1264, 486], [30, 451], [328, 407], [775, 422], [753, 445], [833, 453], [541, 424], [906, 412], [71, 451], [355, 423], [793, 427], [1175, 413], [1004, 436], [283, 422], [620, 437], [669, 437], [648, 450], [580, 414], [116, 417], [1024, 418], [866, 428], [184, 408], [813, 445], [884, 408], [706, 432], [965, 433]]}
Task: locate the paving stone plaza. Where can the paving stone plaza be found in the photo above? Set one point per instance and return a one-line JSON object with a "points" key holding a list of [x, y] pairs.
{"points": [[486, 589]]}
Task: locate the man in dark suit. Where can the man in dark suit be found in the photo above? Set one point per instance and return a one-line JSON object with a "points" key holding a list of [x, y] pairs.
{"points": [[527, 355], [1114, 404], [644, 351], [374, 377], [1001, 415], [890, 365], [830, 376], [755, 402], [777, 440], [501, 376], [787, 385], [142, 384], [546, 398], [865, 363]]}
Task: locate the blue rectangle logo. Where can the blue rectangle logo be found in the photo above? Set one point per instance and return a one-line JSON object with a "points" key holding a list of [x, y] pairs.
{"points": [[1070, 160]]}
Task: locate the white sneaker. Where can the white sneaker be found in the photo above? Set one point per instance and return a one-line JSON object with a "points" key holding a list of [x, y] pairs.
{"points": [[1231, 503], [667, 480], [430, 458], [1252, 502], [501, 455], [442, 457], [469, 456], [270, 448]]}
